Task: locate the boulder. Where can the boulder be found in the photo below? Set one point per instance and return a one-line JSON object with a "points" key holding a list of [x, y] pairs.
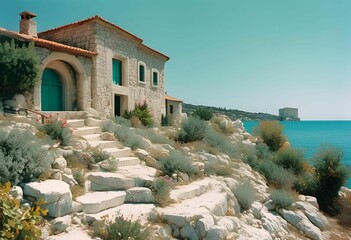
{"points": [[104, 181], [107, 136], [59, 163], [151, 162], [204, 224], [139, 195], [317, 219], [141, 154], [188, 232], [217, 232], [20, 101], [60, 224], [16, 192], [56, 194], [69, 179], [10, 103], [238, 124]]}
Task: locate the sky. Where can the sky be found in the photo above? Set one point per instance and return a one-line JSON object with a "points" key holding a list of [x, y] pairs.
{"points": [[251, 55]]}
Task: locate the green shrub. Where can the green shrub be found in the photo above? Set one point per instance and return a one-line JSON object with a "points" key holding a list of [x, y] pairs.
{"points": [[121, 229], [220, 142], [142, 112], [164, 121], [192, 129], [79, 160], [122, 121], [98, 154], [108, 126], [203, 114], [276, 175], [245, 194], [19, 67], [271, 134], [22, 157], [331, 175], [17, 222], [79, 176], [161, 188], [291, 159], [281, 198], [154, 137], [57, 130], [263, 152], [219, 170], [307, 184], [125, 135], [175, 162]]}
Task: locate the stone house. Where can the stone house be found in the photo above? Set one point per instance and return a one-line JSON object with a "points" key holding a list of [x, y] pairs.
{"points": [[94, 64]]}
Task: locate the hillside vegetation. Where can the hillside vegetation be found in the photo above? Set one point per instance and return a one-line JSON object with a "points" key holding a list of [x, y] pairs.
{"points": [[233, 114]]}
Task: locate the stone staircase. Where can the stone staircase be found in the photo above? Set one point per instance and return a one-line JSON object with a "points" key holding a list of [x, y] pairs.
{"points": [[126, 191]]}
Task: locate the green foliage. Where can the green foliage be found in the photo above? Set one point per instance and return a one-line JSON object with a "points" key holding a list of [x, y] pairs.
{"points": [[331, 175], [122, 121], [56, 129], [245, 194], [291, 159], [108, 126], [175, 162], [161, 188], [121, 229], [79, 160], [19, 67], [79, 176], [203, 114], [219, 170], [192, 129], [154, 137], [164, 121], [98, 154], [307, 184], [142, 112], [220, 142], [22, 157], [18, 222], [281, 198], [271, 134]]}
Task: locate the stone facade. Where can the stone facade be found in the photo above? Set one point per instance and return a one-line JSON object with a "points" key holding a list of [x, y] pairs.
{"points": [[288, 114], [111, 42]]}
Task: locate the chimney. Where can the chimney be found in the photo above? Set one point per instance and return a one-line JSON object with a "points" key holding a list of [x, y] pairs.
{"points": [[27, 25]]}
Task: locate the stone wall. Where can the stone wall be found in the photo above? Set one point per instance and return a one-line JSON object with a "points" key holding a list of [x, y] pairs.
{"points": [[110, 43]]}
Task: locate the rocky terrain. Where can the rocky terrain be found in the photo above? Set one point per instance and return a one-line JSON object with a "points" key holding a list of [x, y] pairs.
{"points": [[201, 208]]}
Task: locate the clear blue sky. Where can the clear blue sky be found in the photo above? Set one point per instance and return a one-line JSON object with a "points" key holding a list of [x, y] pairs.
{"points": [[251, 55]]}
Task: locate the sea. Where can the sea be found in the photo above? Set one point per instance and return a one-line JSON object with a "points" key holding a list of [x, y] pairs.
{"points": [[310, 136]]}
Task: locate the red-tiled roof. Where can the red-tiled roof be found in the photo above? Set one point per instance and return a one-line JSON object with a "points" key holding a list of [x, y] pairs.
{"points": [[169, 98], [98, 18], [48, 44]]}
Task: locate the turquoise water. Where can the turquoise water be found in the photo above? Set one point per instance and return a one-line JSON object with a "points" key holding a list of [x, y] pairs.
{"points": [[311, 135]]}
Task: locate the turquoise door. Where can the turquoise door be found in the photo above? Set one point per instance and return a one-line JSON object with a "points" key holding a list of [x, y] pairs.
{"points": [[51, 91]]}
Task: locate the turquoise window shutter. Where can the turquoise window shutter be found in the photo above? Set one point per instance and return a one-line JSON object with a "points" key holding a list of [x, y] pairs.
{"points": [[117, 72]]}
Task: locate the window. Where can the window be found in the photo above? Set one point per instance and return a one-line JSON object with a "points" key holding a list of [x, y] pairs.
{"points": [[171, 109], [117, 72], [155, 78], [141, 72]]}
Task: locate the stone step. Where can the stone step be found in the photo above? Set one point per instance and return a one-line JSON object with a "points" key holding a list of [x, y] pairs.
{"points": [[92, 137], [75, 123], [108, 181], [95, 202], [191, 190], [214, 203], [142, 175], [128, 211], [91, 122], [128, 161], [103, 144], [123, 153], [86, 131]]}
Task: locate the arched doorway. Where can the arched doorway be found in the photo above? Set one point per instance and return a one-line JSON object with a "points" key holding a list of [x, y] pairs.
{"points": [[51, 91]]}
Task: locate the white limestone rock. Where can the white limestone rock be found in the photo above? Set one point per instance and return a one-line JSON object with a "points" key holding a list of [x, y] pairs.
{"points": [[238, 124], [69, 179], [301, 222], [141, 154], [217, 232], [204, 224], [91, 113], [107, 136], [60, 224], [318, 219], [16, 192], [188, 232], [105, 181], [139, 195], [230, 223], [59, 163], [274, 224], [56, 194], [20, 101]]}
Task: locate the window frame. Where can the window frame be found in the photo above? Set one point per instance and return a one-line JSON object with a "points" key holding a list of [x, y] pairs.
{"points": [[152, 77], [139, 65], [121, 72]]}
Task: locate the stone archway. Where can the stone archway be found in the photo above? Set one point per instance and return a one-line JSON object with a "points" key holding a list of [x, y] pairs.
{"points": [[72, 75]]}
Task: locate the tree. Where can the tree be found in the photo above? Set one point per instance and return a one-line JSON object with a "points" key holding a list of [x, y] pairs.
{"points": [[19, 67]]}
